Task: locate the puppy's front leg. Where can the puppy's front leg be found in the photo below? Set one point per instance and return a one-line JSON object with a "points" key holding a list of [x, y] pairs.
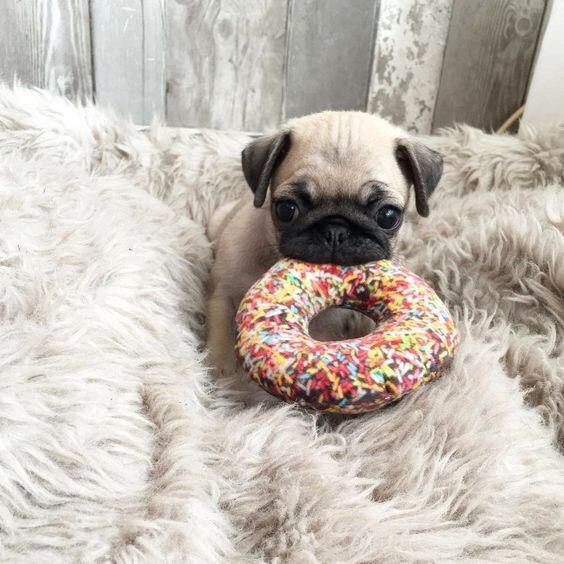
{"points": [[221, 332]]}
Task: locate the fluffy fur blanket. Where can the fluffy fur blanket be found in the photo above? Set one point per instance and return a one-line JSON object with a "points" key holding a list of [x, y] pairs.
{"points": [[116, 445]]}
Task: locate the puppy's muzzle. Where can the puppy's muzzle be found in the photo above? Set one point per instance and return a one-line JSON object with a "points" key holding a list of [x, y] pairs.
{"points": [[335, 233]]}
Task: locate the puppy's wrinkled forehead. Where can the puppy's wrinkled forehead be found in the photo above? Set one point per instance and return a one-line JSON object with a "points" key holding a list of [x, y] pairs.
{"points": [[338, 152]]}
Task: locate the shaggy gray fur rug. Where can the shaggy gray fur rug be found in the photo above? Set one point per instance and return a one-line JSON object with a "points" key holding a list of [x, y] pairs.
{"points": [[116, 445]]}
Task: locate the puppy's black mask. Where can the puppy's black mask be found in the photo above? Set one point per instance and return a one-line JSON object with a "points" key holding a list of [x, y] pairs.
{"points": [[337, 230], [333, 231]]}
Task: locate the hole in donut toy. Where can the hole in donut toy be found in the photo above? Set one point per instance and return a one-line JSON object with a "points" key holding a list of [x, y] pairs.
{"points": [[339, 323]]}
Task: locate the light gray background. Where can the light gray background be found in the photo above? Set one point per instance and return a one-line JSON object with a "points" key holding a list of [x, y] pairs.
{"points": [[250, 64]]}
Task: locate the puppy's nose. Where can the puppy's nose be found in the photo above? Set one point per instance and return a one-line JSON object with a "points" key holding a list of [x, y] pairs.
{"points": [[335, 234]]}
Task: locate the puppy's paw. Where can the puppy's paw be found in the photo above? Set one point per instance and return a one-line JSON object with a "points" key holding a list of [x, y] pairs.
{"points": [[223, 363], [355, 324]]}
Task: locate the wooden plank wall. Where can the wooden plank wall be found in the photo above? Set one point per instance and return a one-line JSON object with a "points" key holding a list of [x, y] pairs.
{"points": [[251, 64], [225, 63], [408, 59], [46, 43], [329, 55], [128, 56], [475, 86]]}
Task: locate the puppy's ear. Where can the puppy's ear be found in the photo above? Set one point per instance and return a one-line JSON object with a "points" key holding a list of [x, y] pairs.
{"points": [[260, 159], [422, 167]]}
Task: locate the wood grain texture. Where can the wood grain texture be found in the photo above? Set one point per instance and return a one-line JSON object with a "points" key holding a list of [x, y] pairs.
{"points": [[488, 58], [225, 62], [128, 54], [330, 46], [408, 58], [46, 43]]}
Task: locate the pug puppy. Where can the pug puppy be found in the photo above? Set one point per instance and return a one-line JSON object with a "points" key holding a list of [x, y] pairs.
{"points": [[328, 188]]}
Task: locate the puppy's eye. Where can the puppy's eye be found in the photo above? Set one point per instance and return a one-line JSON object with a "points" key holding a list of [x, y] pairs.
{"points": [[285, 210], [388, 218]]}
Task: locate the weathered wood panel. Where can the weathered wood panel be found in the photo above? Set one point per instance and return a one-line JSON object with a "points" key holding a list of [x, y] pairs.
{"points": [[330, 46], [128, 54], [249, 64], [46, 43], [488, 58], [225, 63], [408, 58]]}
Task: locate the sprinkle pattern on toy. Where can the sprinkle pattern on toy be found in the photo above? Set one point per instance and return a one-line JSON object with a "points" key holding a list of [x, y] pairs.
{"points": [[414, 341]]}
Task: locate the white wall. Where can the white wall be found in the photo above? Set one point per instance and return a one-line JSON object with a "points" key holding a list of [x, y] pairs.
{"points": [[545, 100]]}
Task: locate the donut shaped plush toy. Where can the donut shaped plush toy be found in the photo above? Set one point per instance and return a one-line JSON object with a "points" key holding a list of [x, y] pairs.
{"points": [[413, 343]]}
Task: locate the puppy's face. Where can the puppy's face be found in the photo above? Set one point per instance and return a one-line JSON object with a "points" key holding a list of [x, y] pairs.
{"points": [[339, 184]]}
